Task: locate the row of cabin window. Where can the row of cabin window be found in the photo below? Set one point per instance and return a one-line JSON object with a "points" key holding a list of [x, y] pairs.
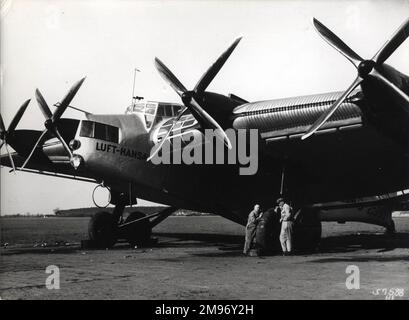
{"points": [[168, 110], [101, 131]]}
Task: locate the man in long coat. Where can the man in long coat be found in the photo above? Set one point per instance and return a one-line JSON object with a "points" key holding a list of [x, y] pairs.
{"points": [[251, 227]]}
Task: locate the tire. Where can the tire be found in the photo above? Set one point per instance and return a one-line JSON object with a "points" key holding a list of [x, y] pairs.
{"points": [[102, 230], [307, 231], [267, 235], [139, 233]]}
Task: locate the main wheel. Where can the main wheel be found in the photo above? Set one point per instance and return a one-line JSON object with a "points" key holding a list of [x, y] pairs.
{"points": [[138, 233], [307, 230], [267, 235], [102, 230]]}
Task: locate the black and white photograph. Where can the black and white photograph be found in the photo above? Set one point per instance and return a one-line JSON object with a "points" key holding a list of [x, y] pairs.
{"points": [[219, 152]]}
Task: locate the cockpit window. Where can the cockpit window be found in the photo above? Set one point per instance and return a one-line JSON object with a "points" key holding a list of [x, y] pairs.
{"points": [[139, 107], [154, 112], [101, 131]]}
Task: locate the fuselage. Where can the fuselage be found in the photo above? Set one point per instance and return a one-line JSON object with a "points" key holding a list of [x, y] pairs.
{"points": [[349, 158], [361, 151]]}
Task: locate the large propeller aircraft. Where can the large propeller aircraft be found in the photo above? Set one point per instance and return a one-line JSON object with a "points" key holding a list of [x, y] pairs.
{"points": [[340, 156]]}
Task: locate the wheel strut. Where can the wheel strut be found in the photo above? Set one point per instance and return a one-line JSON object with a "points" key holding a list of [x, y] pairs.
{"points": [[119, 208]]}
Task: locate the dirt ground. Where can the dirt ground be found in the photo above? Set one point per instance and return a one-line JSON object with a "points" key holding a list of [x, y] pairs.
{"points": [[198, 258]]}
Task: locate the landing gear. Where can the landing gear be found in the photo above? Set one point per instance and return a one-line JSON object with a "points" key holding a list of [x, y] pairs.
{"points": [[138, 233], [267, 234], [102, 230], [390, 227], [307, 230]]}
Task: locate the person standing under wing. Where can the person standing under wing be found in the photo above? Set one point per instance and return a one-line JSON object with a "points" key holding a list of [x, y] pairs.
{"points": [[251, 227], [286, 234]]}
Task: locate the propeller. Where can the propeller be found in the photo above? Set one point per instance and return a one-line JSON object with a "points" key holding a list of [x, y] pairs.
{"points": [[5, 134], [190, 98], [51, 122], [367, 69]]}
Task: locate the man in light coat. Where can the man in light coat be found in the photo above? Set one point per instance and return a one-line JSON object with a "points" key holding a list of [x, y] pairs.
{"points": [[286, 219]]}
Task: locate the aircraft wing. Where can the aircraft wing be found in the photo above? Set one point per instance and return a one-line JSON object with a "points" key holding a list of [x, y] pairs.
{"points": [[59, 170], [350, 144], [54, 162], [290, 118], [281, 119]]}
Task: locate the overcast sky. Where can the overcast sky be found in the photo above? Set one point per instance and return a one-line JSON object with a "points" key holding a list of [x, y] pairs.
{"points": [[51, 44]]}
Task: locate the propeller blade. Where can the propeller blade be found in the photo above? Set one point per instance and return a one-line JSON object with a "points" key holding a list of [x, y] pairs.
{"points": [[11, 158], [209, 75], [67, 100], [161, 143], [337, 43], [2, 127], [188, 97], [17, 117], [66, 147], [393, 43], [210, 122], [390, 84], [34, 149], [169, 77], [43, 105], [1, 144], [325, 116]]}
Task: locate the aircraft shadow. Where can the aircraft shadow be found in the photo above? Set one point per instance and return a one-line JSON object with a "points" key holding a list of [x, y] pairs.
{"points": [[356, 242], [384, 242], [197, 240], [231, 245], [31, 250], [369, 258]]}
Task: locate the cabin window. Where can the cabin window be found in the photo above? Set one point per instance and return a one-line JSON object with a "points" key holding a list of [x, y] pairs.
{"points": [[112, 134], [176, 110], [150, 108], [139, 107], [188, 123], [161, 112], [168, 111], [101, 131], [87, 129]]}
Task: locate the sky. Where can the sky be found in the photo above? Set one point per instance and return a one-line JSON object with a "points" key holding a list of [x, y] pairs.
{"points": [[51, 44]]}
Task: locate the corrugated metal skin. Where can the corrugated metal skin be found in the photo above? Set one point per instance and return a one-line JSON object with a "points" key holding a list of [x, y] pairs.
{"points": [[298, 112]]}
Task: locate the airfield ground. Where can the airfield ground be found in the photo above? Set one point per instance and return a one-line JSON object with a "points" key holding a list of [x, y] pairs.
{"points": [[197, 258]]}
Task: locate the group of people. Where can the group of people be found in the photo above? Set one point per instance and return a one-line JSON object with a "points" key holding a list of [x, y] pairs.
{"points": [[286, 220]]}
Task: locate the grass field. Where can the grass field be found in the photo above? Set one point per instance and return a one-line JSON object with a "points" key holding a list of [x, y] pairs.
{"points": [[197, 257], [29, 231], [88, 212]]}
